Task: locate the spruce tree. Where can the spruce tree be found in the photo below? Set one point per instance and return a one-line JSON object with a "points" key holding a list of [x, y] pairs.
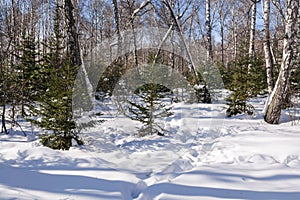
{"points": [[150, 105], [240, 91], [54, 107], [29, 73]]}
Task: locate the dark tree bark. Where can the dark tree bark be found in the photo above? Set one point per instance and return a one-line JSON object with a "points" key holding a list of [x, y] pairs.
{"points": [[73, 43]]}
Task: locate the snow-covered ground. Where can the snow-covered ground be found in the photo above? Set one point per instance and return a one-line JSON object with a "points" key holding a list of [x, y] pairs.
{"points": [[203, 156]]}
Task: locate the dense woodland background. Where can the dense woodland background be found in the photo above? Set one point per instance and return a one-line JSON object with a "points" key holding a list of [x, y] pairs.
{"points": [[255, 44]]}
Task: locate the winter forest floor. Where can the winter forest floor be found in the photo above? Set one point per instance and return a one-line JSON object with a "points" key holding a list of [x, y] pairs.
{"points": [[203, 156]]}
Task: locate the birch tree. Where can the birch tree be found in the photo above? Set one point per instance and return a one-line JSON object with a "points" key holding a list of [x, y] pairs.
{"points": [[222, 14], [280, 92], [252, 33], [208, 30], [267, 46], [117, 20]]}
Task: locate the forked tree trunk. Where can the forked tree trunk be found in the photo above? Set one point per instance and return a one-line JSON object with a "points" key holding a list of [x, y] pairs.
{"points": [[267, 46], [280, 92]]}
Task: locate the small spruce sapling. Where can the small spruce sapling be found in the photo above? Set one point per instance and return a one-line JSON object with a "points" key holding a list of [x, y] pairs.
{"points": [[150, 105], [237, 100]]}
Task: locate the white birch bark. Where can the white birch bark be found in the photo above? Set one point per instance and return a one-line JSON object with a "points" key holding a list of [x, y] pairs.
{"points": [[252, 34], [267, 46], [280, 92], [208, 30], [234, 31], [117, 20]]}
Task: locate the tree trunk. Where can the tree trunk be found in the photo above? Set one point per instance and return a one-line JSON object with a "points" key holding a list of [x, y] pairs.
{"points": [[4, 90], [234, 32], [3, 120], [267, 46], [280, 92], [222, 17], [179, 29], [208, 30], [117, 20], [252, 35], [73, 43], [297, 42], [222, 43]]}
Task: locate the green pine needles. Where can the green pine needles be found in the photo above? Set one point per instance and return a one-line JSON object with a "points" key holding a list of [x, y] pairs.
{"points": [[244, 83], [53, 107], [151, 103]]}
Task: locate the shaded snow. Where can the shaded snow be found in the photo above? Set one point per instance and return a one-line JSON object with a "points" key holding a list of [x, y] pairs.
{"points": [[203, 156]]}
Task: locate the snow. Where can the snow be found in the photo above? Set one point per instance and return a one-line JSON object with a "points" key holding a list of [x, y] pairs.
{"points": [[204, 155]]}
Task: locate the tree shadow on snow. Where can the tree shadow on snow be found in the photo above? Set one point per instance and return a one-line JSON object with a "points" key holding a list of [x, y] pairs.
{"points": [[58, 184], [223, 193], [182, 190]]}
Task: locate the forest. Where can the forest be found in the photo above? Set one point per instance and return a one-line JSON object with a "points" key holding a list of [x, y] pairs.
{"points": [[254, 45], [149, 99]]}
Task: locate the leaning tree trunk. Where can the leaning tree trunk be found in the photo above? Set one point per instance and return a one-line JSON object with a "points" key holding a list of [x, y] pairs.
{"points": [[280, 92], [267, 46]]}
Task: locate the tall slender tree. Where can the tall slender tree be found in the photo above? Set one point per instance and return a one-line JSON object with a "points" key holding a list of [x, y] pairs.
{"points": [[61, 64], [281, 90], [252, 33], [208, 30], [267, 46]]}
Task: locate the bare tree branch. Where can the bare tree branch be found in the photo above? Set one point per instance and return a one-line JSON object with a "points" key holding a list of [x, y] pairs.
{"points": [[190, 60]]}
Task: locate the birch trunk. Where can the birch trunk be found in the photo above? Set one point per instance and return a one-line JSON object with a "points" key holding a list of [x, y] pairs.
{"points": [[222, 16], [267, 46], [252, 34], [280, 92], [297, 45], [234, 32], [208, 30], [179, 29], [133, 27], [117, 20], [222, 43], [206, 98]]}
